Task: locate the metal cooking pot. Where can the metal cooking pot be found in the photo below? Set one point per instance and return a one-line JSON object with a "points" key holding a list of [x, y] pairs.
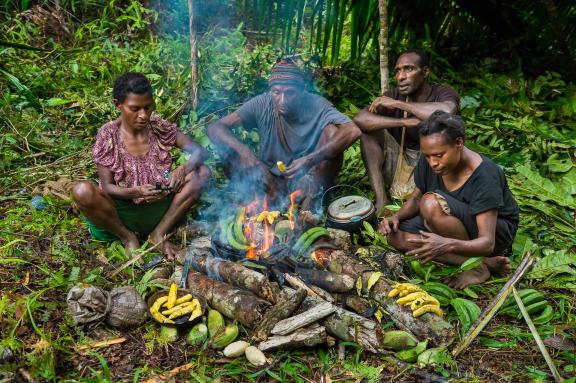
{"points": [[349, 212]]}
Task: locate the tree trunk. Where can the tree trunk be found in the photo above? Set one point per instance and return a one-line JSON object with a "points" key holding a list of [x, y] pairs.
{"points": [[383, 39], [236, 275], [240, 305], [193, 56]]}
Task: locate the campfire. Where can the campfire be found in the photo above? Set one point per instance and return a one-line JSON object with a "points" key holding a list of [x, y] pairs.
{"points": [[296, 283], [256, 232]]}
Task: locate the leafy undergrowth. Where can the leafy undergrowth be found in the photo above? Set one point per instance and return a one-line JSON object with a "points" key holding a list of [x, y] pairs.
{"points": [[52, 103]]}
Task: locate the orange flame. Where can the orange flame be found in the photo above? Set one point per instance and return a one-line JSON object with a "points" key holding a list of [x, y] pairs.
{"points": [[251, 253], [293, 196]]}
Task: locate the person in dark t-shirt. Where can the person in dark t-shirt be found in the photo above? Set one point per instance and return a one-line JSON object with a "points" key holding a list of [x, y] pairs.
{"points": [[411, 102], [461, 206], [302, 130]]}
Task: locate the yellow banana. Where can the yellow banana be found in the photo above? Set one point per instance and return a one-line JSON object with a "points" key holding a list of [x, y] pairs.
{"points": [[428, 309], [419, 302], [158, 303], [262, 216], [172, 296], [409, 290], [406, 300], [161, 318], [393, 292]]}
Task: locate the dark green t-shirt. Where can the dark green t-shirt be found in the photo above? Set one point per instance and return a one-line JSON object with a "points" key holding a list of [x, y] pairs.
{"points": [[486, 188]]}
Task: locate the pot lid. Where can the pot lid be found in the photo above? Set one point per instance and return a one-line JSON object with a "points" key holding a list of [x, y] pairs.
{"points": [[345, 208]]}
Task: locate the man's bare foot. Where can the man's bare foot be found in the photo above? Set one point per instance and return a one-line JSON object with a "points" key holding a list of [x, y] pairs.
{"points": [[466, 278], [130, 243], [167, 247], [498, 265]]}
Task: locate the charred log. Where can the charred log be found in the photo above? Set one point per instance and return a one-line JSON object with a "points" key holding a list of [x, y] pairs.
{"points": [[288, 302], [236, 275], [234, 303]]}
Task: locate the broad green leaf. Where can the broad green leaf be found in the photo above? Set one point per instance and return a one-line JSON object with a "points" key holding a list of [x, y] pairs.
{"points": [[472, 263], [467, 312], [58, 101], [543, 188], [557, 262]]}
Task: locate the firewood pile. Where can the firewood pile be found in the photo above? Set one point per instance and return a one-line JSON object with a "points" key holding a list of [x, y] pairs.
{"points": [[293, 285]]}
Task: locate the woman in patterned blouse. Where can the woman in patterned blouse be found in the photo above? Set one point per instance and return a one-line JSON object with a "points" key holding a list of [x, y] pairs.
{"points": [[139, 194]]}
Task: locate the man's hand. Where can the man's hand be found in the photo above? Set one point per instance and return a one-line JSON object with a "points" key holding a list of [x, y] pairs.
{"points": [[177, 179], [431, 246], [299, 167], [411, 122], [150, 194], [389, 225], [386, 102]]}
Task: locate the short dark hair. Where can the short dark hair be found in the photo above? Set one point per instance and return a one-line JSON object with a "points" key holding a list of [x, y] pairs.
{"points": [[424, 59], [451, 127], [130, 82]]}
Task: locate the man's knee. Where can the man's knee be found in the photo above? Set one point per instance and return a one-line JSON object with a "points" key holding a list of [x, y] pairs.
{"points": [[84, 193]]}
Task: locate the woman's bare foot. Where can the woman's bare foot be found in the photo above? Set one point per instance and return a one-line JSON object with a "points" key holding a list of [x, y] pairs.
{"points": [[130, 243], [167, 247], [498, 265], [466, 278]]}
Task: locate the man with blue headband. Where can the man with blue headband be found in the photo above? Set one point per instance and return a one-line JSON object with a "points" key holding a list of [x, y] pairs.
{"points": [[301, 137]]}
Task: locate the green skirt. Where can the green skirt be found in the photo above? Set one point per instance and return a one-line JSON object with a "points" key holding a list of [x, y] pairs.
{"points": [[140, 219]]}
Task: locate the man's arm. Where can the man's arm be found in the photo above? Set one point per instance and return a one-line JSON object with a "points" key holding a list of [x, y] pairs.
{"points": [[220, 134], [421, 110], [344, 136], [370, 122], [197, 153]]}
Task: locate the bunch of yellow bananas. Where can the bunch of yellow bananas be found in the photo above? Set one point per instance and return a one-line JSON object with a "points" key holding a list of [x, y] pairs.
{"points": [[419, 300]]}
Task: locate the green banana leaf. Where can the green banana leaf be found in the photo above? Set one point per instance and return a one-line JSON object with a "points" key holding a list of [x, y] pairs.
{"points": [[553, 264]]}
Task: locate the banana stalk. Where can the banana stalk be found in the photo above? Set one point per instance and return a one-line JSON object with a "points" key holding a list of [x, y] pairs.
{"points": [[493, 306]]}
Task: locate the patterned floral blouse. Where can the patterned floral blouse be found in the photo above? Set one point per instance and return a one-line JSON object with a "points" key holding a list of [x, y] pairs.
{"points": [[129, 171]]}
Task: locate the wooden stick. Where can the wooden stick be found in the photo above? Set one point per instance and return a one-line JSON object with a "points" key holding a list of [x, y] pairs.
{"points": [[494, 305], [284, 307], [541, 346], [136, 258], [193, 57], [306, 337], [297, 283], [288, 325], [101, 343]]}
